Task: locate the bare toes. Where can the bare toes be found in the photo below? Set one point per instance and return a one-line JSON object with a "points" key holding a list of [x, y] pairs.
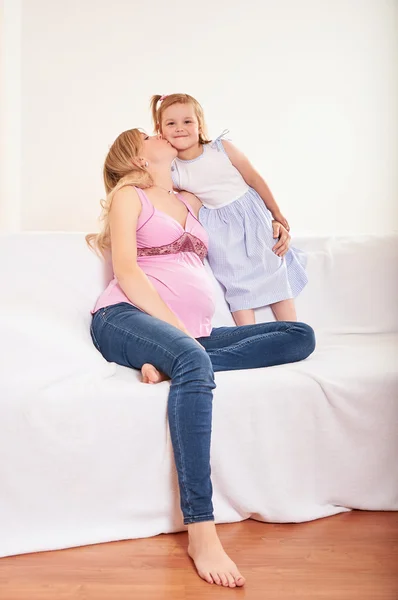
{"points": [[224, 579], [150, 374]]}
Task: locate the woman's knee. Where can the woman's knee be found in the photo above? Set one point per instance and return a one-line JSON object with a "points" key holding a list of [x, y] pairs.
{"points": [[305, 338], [194, 361]]}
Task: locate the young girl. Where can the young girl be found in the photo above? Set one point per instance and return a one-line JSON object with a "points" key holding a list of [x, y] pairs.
{"points": [[237, 213]]}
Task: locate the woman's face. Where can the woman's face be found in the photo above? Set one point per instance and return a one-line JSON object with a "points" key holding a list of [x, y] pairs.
{"points": [[156, 149]]}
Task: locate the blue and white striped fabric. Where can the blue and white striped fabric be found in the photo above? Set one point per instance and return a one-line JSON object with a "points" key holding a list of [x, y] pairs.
{"points": [[241, 258], [240, 233]]}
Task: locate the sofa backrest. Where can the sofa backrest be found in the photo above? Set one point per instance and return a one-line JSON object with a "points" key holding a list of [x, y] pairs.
{"points": [[352, 288]]}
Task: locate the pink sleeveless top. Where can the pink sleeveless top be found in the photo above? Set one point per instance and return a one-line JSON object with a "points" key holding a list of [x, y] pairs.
{"points": [[172, 258]]}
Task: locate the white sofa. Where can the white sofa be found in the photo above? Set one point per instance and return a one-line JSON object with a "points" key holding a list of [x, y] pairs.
{"points": [[85, 448]]}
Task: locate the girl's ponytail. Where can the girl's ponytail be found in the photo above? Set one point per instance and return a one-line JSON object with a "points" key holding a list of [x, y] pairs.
{"points": [[154, 112]]}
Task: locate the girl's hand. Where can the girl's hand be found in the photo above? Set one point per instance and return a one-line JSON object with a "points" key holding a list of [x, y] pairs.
{"points": [[278, 216], [282, 245]]}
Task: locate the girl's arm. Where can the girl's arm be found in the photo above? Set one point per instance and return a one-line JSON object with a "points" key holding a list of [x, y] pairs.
{"points": [[123, 217], [254, 179]]}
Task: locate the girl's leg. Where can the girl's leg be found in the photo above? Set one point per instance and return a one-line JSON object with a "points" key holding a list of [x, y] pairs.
{"points": [[129, 337], [261, 345], [244, 317], [285, 310]]}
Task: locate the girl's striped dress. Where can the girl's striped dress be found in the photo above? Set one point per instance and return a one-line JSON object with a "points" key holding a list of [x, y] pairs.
{"points": [[239, 226]]}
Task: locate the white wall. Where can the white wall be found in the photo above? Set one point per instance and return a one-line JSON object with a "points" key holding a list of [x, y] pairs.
{"points": [[10, 115], [308, 88]]}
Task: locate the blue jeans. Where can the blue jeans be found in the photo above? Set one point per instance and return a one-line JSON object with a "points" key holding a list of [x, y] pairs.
{"points": [[129, 337]]}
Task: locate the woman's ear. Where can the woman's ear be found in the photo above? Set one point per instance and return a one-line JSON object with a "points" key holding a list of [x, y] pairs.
{"points": [[139, 162]]}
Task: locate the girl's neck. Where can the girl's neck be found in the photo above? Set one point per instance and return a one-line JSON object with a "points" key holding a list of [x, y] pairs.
{"points": [[191, 153]]}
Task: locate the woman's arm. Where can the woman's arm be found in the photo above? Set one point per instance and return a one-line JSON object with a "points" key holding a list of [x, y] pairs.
{"points": [[254, 179], [123, 217]]}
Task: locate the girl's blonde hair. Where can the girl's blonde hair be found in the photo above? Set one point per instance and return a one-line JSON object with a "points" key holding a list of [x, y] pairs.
{"points": [[119, 171], [160, 103]]}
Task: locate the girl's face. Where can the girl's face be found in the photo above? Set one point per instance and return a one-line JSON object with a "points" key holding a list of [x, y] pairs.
{"points": [[180, 126]]}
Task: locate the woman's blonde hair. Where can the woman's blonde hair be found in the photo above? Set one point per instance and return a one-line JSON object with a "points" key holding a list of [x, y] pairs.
{"points": [[160, 103], [119, 171]]}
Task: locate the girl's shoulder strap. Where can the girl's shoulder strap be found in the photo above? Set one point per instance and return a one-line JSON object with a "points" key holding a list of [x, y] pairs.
{"points": [[217, 143]]}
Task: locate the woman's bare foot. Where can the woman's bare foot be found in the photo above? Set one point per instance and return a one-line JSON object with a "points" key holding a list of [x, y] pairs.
{"points": [[211, 561], [151, 375]]}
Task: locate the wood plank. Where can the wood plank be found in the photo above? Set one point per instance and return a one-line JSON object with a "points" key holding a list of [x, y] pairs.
{"points": [[352, 556]]}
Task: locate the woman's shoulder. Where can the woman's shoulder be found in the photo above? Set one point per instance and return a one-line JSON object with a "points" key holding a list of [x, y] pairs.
{"points": [[130, 192], [126, 191], [128, 197]]}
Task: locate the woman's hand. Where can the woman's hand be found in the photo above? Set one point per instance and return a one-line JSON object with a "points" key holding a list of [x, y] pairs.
{"points": [[282, 245], [184, 330]]}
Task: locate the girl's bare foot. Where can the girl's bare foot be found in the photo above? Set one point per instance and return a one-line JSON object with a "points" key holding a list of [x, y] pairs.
{"points": [[151, 375], [211, 561]]}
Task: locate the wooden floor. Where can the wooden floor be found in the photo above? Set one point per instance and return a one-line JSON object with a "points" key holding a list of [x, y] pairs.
{"points": [[349, 556]]}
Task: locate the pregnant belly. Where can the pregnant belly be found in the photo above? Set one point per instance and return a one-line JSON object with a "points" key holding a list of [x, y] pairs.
{"points": [[185, 287]]}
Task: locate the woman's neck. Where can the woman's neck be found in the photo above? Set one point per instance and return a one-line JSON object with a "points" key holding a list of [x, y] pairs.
{"points": [[162, 178], [191, 153]]}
